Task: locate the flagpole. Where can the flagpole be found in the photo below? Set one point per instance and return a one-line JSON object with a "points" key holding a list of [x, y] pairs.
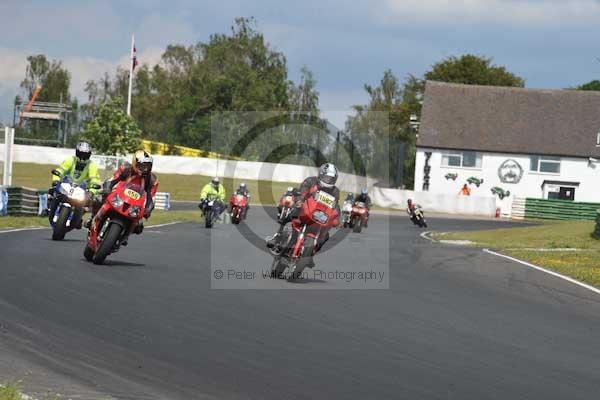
{"points": [[130, 75]]}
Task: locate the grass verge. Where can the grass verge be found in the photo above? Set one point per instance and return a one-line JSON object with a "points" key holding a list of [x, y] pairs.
{"points": [[10, 391], [181, 187], [566, 247], [158, 217]]}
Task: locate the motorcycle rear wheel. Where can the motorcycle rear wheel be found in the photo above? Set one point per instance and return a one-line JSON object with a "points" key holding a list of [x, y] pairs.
{"points": [[113, 233], [61, 229]]}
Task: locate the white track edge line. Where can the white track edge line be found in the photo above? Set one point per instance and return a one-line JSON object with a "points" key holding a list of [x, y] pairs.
{"points": [[556, 274], [37, 228], [165, 224], [425, 235]]}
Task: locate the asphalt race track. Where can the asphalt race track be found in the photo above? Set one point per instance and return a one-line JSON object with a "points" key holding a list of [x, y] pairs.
{"points": [[455, 323]]}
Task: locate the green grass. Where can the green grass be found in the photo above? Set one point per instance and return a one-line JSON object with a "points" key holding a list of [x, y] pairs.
{"points": [[10, 391], [525, 243], [158, 217], [181, 187]]}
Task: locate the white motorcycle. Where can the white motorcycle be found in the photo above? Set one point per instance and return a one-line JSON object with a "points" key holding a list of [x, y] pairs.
{"points": [[73, 203], [346, 213]]}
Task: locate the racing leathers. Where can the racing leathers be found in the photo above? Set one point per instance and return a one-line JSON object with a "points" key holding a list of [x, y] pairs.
{"points": [[308, 187], [366, 199], [126, 173]]}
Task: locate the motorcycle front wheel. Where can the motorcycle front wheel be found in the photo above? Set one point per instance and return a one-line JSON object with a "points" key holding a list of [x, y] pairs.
{"points": [[357, 225], [208, 219], [60, 229], [88, 253], [112, 234]]}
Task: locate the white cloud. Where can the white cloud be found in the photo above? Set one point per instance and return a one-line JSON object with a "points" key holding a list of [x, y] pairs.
{"points": [[13, 63], [530, 12], [12, 68]]}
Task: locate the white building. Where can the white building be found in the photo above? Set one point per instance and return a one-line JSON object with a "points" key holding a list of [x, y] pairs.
{"points": [[513, 142]]}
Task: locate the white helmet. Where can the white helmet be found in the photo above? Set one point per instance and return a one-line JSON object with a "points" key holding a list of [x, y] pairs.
{"points": [[365, 191], [83, 151], [328, 174]]}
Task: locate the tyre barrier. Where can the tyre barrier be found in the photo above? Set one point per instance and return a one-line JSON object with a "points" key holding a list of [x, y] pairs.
{"points": [[23, 201], [162, 201], [16, 200]]}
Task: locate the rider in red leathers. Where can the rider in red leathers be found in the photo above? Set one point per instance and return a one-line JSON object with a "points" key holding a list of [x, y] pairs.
{"points": [[139, 171], [325, 181]]}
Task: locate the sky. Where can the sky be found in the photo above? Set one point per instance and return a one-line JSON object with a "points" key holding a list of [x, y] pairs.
{"points": [[347, 44]]}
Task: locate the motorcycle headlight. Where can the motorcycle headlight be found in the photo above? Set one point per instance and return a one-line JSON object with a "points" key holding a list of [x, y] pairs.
{"points": [[116, 201], [78, 195], [320, 216], [134, 211]]}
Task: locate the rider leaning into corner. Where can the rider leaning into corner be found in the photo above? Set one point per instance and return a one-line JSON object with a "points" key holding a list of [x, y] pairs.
{"points": [[411, 208], [214, 191], [80, 169], [325, 181], [364, 197], [139, 171]]}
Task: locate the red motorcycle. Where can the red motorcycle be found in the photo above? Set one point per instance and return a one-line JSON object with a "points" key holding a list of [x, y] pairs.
{"points": [[297, 244], [359, 217], [286, 205], [123, 208], [239, 206]]}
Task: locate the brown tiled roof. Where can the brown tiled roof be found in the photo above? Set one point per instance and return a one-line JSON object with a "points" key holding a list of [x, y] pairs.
{"points": [[511, 120]]}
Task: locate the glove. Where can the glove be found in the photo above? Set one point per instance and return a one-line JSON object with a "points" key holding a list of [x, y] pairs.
{"points": [[201, 203]]}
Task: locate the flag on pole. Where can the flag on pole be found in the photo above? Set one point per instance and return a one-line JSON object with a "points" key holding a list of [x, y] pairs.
{"points": [[134, 59], [131, 68]]}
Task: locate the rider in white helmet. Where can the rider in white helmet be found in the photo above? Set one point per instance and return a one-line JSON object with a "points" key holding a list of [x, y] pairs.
{"points": [[325, 181]]}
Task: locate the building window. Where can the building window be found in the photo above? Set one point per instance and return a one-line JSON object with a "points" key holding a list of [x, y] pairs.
{"points": [[461, 159], [550, 165]]}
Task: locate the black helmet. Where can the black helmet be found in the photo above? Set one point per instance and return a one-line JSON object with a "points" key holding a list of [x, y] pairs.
{"points": [[83, 151], [142, 163], [328, 175]]}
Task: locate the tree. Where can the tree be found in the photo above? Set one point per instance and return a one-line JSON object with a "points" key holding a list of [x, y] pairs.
{"points": [[378, 129], [472, 70], [112, 131], [50, 76], [592, 85]]}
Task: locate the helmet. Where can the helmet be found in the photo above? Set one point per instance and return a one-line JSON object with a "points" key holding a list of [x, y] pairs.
{"points": [[364, 191], [328, 175], [215, 181], [409, 201], [350, 195], [290, 189], [142, 163], [83, 151], [243, 185]]}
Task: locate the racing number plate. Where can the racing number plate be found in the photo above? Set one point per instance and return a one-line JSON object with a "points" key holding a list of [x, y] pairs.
{"points": [[132, 194], [325, 198]]}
